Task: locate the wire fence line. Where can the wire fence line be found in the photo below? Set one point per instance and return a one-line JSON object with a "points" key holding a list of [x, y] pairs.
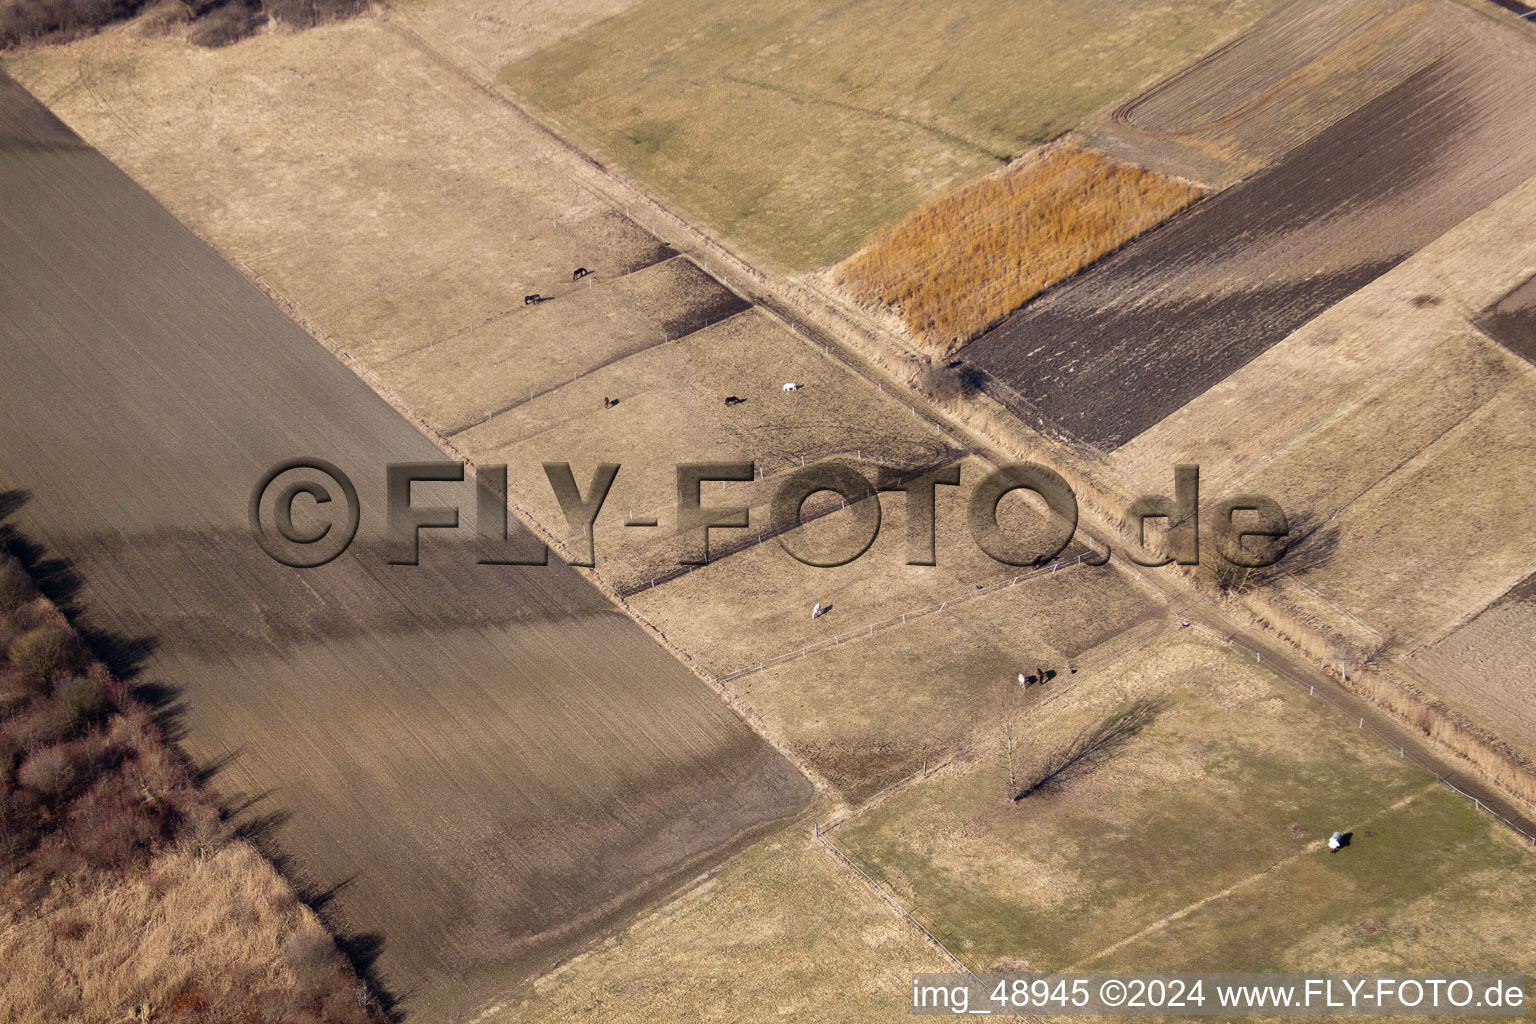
{"points": [[1402, 750], [947, 456], [902, 619], [822, 832], [895, 904]]}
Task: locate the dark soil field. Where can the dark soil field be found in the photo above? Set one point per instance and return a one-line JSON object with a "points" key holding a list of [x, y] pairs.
{"points": [[476, 764], [1110, 354], [1512, 321]]}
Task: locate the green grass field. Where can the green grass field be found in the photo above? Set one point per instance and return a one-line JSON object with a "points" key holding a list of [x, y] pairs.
{"points": [[796, 129], [1177, 854]]}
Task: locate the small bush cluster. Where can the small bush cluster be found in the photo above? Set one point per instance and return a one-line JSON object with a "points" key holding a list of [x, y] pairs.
{"points": [[77, 757], [95, 808], [212, 22], [228, 23], [961, 262], [25, 20]]}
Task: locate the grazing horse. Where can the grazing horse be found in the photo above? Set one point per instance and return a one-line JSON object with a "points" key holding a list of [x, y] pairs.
{"points": [[532, 300], [733, 400], [579, 273]]}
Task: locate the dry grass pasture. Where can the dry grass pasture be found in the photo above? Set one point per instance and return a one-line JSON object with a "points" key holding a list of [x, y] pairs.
{"points": [[870, 709], [795, 131], [671, 410], [417, 250], [1151, 328], [1512, 321], [706, 612], [1393, 431], [782, 931], [1433, 885], [1216, 812], [168, 939], [960, 262], [486, 763]]}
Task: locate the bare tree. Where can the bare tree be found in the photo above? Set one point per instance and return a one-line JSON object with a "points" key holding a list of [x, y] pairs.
{"points": [[1008, 700], [1017, 706]]}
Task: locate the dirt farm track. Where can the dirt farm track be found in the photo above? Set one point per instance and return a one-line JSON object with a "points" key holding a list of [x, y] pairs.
{"points": [[475, 762]]}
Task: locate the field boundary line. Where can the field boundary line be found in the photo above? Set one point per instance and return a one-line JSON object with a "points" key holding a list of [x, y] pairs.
{"points": [[900, 619], [1276, 666], [639, 348], [727, 549], [901, 911], [512, 311]]}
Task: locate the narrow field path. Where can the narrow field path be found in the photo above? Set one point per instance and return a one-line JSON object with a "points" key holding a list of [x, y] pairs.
{"points": [[1178, 915]]}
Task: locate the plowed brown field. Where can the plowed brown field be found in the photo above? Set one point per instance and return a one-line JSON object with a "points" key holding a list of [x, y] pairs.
{"points": [[478, 762]]}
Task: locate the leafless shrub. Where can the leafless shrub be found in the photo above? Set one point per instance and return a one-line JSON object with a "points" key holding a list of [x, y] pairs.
{"points": [[343, 1007], [15, 694], [308, 13], [83, 701], [203, 829], [311, 957], [946, 382], [44, 725], [23, 21], [15, 585], [40, 653], [1233, 580], [51, 771]]}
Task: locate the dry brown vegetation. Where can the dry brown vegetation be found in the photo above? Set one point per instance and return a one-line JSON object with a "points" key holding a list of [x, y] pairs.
{"points": [[213, 23], [111, 857], [961, 262]]}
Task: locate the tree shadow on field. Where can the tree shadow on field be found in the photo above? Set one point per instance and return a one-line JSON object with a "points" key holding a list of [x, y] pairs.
{"points": [[1093, 746], [56, 579], [125, 657], [362, 949], [1314, 541], [1312, 544]]}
